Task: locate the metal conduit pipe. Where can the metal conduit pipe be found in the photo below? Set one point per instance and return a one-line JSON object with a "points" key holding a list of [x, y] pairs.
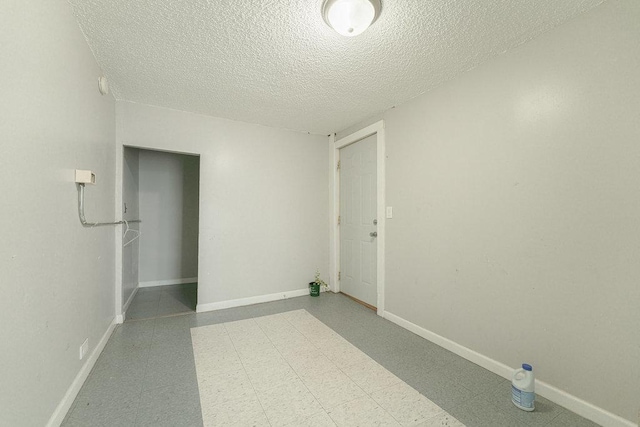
{"points": [[84, 222]]}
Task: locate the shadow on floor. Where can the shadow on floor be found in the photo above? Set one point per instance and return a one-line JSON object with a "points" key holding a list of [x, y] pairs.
{"points": [[161, 301]]}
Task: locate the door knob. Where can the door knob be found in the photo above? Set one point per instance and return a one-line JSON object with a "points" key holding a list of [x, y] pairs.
{"points": [[373, 234]]}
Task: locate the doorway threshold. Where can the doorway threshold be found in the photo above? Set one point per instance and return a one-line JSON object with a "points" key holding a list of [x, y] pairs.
{"points": [[369, 306]]}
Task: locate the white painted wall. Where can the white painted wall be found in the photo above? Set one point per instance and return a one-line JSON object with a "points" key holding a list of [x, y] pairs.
{"points": [[130, 197], [57, 280], [264, 194], [169, 206], [516, 212]]}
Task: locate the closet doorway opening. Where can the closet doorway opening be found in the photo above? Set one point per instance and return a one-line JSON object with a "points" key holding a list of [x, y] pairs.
{"points": [[160, 254]]}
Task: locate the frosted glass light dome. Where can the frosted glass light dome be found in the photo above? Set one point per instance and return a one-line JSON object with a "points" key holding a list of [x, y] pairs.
{"points": [[350, 17]]}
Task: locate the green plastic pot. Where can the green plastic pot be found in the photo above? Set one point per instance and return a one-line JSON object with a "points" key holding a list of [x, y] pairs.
{"points": [[314, 289]]}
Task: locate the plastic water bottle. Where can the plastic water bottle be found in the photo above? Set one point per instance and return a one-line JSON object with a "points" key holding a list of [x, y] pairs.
{"points": [[522, 388]]}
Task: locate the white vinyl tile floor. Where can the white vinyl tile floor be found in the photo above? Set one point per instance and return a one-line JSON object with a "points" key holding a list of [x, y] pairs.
{"points": [[290, 369], [301, 362]]}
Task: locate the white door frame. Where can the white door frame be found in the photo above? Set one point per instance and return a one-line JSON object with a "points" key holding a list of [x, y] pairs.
{"points": [[120, 146], [334, 236]]}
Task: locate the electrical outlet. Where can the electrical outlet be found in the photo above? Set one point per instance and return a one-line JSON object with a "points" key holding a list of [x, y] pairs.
{"points": [[84, 348]]}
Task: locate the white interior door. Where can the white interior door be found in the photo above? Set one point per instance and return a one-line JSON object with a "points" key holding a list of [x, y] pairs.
{"points": [[358, 201]]}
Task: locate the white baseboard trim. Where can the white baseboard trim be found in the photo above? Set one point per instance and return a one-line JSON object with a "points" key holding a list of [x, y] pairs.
{"points": [[200, 308], [120, 318], [63, 407], [167, 282], [569, 401]]}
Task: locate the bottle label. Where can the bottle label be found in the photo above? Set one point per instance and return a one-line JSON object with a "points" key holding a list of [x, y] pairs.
{"points": [[521, 398]]}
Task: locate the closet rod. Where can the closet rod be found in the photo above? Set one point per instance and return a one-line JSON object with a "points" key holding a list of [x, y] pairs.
{"points": [[81, 212]]}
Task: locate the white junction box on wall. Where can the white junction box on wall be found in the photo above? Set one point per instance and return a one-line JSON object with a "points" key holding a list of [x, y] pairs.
{"points": [[85, 177]]}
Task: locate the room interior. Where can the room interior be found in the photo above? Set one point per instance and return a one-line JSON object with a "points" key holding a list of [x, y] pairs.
{"points": [[509, 154], [162, 188]]}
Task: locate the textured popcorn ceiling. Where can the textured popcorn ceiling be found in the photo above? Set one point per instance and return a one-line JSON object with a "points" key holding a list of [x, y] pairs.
{"points": [[277, 63]]}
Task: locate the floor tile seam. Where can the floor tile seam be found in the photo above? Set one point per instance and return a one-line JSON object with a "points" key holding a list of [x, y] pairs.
{"points": [[461, 384], [135, 420], [346, 338], [103, 369], [496, 409], [302, 333], [129, 346], [513, 418], [156, 387], [349, 341], [426, 371], [342, 369], [292, 369], [445, 364], [278, 350], [369, 395], [133, 311], [226, 402], [146, 297], [146, 366], [464, 373], [366, 354], [137, 320], [69, 413], [96, 367], [156, 303], [286, 361], [389, 413], [533, 423], [322, 411], [167, 386], [361, 397], [442, 410], [562, 411], [486, 398], [448, 363], [161, 317], [394, 385], [155, 294], [244, 368], [461, 405], [296, 373], [346, 366], [320, 349], [349, 401]]}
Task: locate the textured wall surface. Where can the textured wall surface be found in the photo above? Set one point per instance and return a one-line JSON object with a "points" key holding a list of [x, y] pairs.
{"points": [[57, 277], [516, 212], [277, 63]]}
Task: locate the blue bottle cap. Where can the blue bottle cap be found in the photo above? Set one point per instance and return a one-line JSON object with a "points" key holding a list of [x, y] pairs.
{"points": [[527, 367]]}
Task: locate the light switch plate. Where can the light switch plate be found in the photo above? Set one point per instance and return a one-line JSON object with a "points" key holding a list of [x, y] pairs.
{"points": [[389, 212], [84, 348]]}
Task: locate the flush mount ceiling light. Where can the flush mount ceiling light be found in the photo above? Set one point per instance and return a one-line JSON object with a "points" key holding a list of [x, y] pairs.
{"points": [[350, 17]]}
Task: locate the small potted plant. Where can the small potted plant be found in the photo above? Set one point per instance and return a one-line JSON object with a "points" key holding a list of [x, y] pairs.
{"points": [[314, 287]]}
